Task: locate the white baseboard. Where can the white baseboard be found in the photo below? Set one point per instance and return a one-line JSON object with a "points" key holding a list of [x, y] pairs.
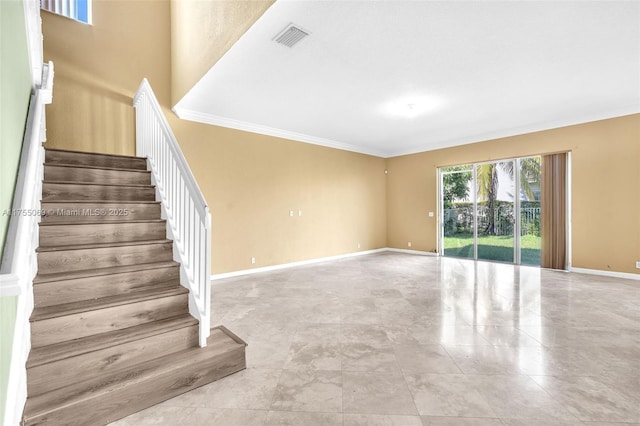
{"points": [[613, 274], [292, 264], [418, 252], [215, 277], [16, 396]]}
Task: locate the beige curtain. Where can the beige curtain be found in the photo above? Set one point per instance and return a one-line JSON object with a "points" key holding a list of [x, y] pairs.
{"points": [[554, 211]]}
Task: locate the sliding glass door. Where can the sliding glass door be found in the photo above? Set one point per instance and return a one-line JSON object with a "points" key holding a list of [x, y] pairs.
{"points": [[491, 211], [494, 209], [457, 217]]}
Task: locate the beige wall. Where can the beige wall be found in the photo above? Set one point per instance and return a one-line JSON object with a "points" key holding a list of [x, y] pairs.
{"points": [[202, 32], [605, 189], [252, 181], [98, 69]]}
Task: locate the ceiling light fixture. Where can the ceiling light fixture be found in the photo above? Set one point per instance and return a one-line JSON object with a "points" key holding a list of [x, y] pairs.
{"points": [[410, 106]]}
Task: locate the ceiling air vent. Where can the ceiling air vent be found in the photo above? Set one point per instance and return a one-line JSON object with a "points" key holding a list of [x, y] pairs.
{"points": [[290, 35]]}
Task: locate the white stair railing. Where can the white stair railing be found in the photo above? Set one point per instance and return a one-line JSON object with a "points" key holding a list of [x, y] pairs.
{"points": [[19, 260], [186, 211]]}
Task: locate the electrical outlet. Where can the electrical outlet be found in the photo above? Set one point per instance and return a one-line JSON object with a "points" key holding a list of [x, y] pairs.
{"points": [[290, 213], [638, 265], [253, 260], [358, 245], [409, 244], [430, 214]]}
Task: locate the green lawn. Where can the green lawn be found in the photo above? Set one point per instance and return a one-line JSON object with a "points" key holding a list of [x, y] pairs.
{"points": [[493, 247]]}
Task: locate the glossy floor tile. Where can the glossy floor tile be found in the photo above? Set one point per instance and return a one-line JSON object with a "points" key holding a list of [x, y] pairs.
{"points": [[403, 340], [376, 393]]}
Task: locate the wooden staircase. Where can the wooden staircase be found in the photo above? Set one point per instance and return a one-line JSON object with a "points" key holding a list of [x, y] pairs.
{"points": [[111, 332]]}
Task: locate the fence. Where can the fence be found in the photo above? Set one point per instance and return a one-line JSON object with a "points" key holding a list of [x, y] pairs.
{"points": [[460, 219]]}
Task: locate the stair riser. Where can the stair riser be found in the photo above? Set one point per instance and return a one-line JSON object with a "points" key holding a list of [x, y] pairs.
{"points": [[76, 260], [71, 191], [46, 377], [62, 235], [143, 394], [83, 324], [59, 292], [101, 176], [83, 212], [89, 159]]}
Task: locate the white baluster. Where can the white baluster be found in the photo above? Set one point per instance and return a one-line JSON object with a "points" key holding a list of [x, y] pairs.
{"points": [[186, 210]]}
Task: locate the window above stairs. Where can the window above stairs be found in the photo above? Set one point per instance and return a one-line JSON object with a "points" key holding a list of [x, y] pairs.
{"points": [[78, 10]]}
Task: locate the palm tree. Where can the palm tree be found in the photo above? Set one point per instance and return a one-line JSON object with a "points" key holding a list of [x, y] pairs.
{"points": [[488, 184]]}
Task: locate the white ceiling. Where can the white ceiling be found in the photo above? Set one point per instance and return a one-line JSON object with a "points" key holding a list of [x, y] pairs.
{"points": [[473, 70]]}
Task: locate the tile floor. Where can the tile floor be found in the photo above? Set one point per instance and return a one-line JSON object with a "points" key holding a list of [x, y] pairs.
{"points": [[401, 340]]}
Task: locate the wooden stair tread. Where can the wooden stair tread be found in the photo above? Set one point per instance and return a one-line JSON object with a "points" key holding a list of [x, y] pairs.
{"points": [[95, 153], [112, 222], [100, 202], [74, 182], [79, 158], [60, 276], [114, 169], [69, 208], [97, 231], [183, 369], [63, 190], [62, 350], [170, 288], [102, 245]]}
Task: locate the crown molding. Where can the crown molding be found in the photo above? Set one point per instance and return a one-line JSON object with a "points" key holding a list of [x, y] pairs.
{"points": [[521, 130], [215, 120]]}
